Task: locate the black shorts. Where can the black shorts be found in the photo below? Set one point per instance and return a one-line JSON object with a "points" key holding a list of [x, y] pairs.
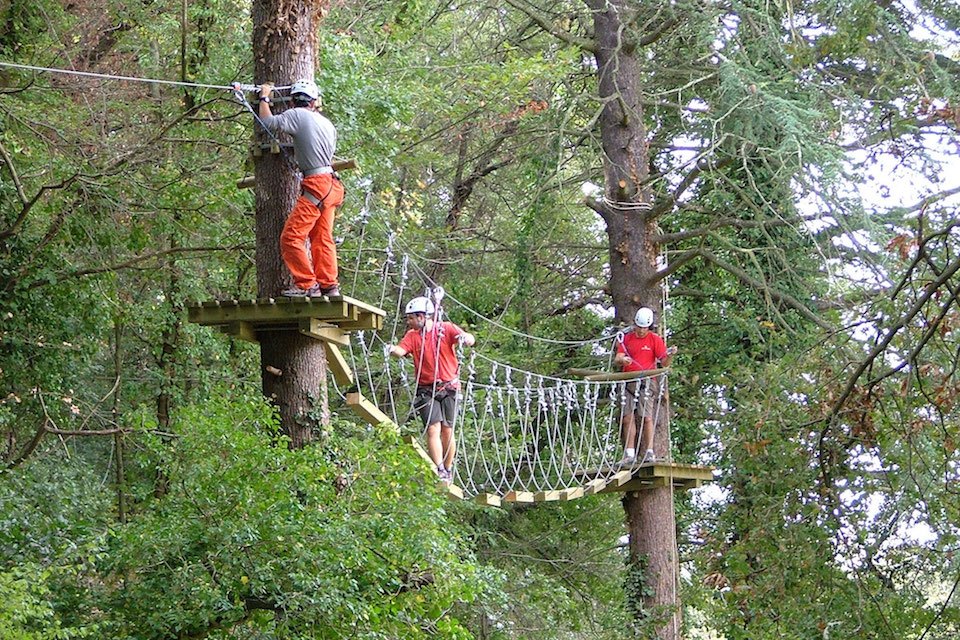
{"points": [[436, 405]]}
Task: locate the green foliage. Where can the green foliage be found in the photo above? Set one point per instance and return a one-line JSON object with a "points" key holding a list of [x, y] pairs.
{"points": [[26, 612], [561, 570], [474, 129], [343, 535], [47, 508]]}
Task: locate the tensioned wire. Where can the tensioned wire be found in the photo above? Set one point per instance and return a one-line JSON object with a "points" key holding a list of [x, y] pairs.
{"points": [[107, 76]]}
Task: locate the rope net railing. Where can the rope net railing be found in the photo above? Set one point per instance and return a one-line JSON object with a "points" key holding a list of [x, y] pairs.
{"points": [[519, 431], [515, 430]]}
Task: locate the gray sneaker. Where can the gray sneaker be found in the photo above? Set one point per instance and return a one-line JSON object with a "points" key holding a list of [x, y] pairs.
{"points": [[649, 457], [331, 292], [446, 477], [628, 461], [296, 292]]}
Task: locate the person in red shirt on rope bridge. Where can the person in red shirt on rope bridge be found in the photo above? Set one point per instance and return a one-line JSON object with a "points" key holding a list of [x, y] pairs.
{"points": [[431, 344], [641, 350]]}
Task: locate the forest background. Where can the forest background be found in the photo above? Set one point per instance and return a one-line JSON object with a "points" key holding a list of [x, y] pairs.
{"points": [[803, 162]]}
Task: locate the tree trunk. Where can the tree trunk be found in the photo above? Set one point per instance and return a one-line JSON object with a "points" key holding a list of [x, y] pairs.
{"points": [[294, 367], [633, 266]]}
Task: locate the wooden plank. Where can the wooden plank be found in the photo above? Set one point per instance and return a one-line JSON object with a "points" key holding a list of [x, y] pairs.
{"points": [[518, 496], [619, 478], [625, 375], [344, 164], [665, 474], [316, 328], [582, 373], [571, 494], [488, 499], [452, 490], [414, 442], [368, 411], [282, 310], [670, 470], [365, 321], [639, 484], [594, 486], [240, 330], [546, 496], [363, 306], [338, 365]]}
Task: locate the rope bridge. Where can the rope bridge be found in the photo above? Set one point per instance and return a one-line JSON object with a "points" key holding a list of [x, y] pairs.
{"points": [[521, 436]]}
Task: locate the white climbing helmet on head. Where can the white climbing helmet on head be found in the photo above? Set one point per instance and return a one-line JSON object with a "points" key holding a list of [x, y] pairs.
{"points": [[644, 317], [306, 88], [419, 305]]}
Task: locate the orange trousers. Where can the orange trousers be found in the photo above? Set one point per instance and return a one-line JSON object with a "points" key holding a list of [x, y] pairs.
{"points": [[308, 221]]}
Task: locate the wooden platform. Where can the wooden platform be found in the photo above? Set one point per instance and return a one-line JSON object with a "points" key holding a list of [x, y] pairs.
{"points": [[327, 319], [659, 474]]}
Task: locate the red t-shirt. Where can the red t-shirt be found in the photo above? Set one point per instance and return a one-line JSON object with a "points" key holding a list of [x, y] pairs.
{"points": [[645, 351], [423, 346]]}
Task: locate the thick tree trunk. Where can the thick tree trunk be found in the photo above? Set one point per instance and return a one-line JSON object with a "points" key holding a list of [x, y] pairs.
{"points": [[633, 265], [294, 367]]}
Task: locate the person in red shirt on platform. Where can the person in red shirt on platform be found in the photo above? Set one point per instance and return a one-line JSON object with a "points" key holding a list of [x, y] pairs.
{"points": [[431, 344], [641, 350]]}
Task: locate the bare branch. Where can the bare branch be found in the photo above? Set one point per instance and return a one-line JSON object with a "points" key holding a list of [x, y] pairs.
{"points": [[13, 174], [560, 34], [138, 259], [748, 280], [17, 225], [579, 303], [931, 289], [86, 432], [30, 448]]}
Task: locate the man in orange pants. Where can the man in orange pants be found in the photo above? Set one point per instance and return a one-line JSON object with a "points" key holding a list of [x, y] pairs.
{"points": [[314, 143]]}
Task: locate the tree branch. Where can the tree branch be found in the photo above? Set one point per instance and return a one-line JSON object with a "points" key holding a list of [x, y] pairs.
{"points": [[703, 165], [569, 38], [720, 223], [13, 174], [14, 229], [30, 448], [579, 303], [931, 289], [746, 279], [138, 259]]}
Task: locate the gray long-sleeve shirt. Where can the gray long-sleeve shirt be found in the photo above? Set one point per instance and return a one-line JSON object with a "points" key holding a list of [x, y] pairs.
{"points": [[314, 136]]}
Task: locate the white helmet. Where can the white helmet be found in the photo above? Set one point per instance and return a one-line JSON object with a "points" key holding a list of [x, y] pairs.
{"points": [[644, 317], [419, 305], [305, 87]]}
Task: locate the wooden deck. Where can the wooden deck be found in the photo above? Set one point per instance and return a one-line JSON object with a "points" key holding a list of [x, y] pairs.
{"points": [[639, 477], [327, 319]]}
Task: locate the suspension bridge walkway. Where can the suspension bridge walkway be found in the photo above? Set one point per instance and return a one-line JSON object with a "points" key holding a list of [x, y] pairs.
{"points": [[521, 437]]}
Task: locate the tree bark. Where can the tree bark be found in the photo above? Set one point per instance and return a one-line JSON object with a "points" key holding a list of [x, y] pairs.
{"points": [[293, 366], [633, 284]]}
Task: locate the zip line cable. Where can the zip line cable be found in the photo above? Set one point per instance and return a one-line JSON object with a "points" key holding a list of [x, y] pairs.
{"points": [[106, 76]]}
